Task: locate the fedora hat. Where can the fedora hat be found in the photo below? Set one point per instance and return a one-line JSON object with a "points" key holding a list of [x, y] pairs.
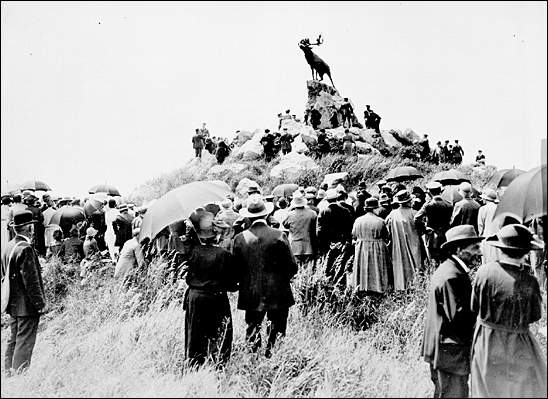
{"points": [[514, 236], [22, 218], [465, 187], [122, 207], [381, 182], [298, 200], [489, 195], [253, 190], [402, 197], [256, 207], [310, 196], [331, 194], [465, 233], [371, 203]]}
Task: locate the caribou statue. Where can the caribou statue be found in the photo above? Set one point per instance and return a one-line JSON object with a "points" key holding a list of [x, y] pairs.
{"points": [[317, 65]]}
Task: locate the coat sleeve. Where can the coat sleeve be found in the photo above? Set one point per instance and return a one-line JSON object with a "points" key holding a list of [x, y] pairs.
{"points": [[455, 215], [30, 273], [456, 307]]}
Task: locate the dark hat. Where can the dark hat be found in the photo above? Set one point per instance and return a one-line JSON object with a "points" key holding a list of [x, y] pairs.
{"points": [[253, 190], [515, 236], [22, 218], [371, 203], [463, 234], [384, 198], [122, 207], [402, 197], [362, 184]]}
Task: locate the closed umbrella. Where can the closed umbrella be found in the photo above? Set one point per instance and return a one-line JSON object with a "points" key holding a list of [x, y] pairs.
{"points": [[403, 173], [450, 177], [284, 190], [66, 216], [34, 185], [179, 203], [525, 197], [104, 188], [452, 195], [92, 205], [504, 177]]}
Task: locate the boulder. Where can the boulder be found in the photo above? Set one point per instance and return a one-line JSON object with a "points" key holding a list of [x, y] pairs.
{"points": [[243, 135], [408, 137], [331, 177], [252, 148], [365, 148], [368, 135], [389, 139], [295, 128], [291, 165], [326, 99]]}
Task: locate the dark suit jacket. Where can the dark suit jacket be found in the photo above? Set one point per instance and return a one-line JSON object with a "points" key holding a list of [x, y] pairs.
{"points": [[334, 224], [122, 229], [265, 265], [465, 212], [27, 295], [435, 214], [449, 324]]}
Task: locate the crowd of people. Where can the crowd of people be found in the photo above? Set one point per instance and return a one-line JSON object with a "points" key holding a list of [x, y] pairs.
{"points": [[216, 146], [370, 242]]}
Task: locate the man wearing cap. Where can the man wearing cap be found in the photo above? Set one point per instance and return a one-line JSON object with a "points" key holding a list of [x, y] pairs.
{"points": [[27, 299], [466, 210], [506, 358], [486, 225], [122, 226], [434, 218], [449, 323], [371, 257], [198, 142], [404, 241], [265, 266], [301, 223]]}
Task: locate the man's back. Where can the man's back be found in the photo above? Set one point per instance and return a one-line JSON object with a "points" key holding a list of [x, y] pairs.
{"points": [[465, 212], [334, 223], [265, 266], [437, 212]]}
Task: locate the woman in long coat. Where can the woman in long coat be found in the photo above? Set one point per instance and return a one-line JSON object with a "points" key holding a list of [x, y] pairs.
{"points": [[506, 359], [404, 240], [371, 257], [208, 321]]}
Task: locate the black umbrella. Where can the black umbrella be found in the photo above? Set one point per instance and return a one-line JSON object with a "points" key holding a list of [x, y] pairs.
{"points": [[104, 188], [450, 177], [403, 173], [66, 216]]}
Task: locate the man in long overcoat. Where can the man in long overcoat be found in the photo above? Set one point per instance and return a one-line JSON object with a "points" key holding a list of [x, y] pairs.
{"points": [[301, 222], [449, 323], [27, 300], [265, 265]]}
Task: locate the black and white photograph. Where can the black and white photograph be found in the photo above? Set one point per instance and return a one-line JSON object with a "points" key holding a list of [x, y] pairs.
{"points": [[274, 199]]}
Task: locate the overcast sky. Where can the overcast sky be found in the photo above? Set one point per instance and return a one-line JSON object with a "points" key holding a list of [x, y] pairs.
{"points": [[112, 92]]}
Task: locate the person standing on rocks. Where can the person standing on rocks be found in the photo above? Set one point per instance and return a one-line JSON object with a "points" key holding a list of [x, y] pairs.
{"points": [[315, 118], [445, 153], [437, 153], [480, 158], [204, 131], [373, 120], [323, 144], [425, 153], [268, 145], [285, 141], [222, 152], [346, 112], [458, 153], [348, 142], [198, 143]]}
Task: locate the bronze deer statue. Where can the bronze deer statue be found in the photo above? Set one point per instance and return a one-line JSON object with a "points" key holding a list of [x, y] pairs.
{"points": [[317, 65]]}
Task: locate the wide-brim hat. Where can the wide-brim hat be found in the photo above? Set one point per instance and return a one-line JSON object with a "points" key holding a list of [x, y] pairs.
{"points": [[310, 189], [310, 196], [22, 218], [381, 182], [463, 234], [489, 195], [331, 194], [256, 207], [515, 236], [434, 185], [371, 203], [402, 197], [298, 200]]}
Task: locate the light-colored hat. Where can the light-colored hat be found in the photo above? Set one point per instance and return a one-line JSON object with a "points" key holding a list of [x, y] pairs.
{"points": [[91, 232], [465, 187], [122, 207], [227, 203], [402, 197], [331, 194], [311, 189], [489, 195], [433, 185], [135, 232], [515, 236], [321, 194], [309, 196], [381, 182], [298, 201], [460, 235], [256, 207], [340, 188]]}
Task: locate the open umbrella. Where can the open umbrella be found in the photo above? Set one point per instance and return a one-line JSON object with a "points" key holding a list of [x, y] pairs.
{"points": [[284, 190], [66, 216], [452, 195], [104, 188], [403, 173], [503, 177], [525, 197], [450, 177], [34, 185], [179, 203], [92, 205]]}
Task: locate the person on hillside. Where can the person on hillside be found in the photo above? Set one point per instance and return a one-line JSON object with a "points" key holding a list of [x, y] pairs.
{"points": [[311, 202], [506, 358], [301, 224], [347, 112], [486, 223], [72, 249], [281, 213], [449, 323], [348, 142], [122, 226], [139, 215], [285, 142], [208, 320], [373, 120], [204, 132], [267, 141], [480, 159], [458, 153], [198, 143], [265, 266], [425, 151], [210, 145], [323, 144], [445, 155], [111, 213], [27, 299], [56, 245], [315, 118], [419, 198], [131, 257], [370, 271], [222, 152], [434, 218], [47, 212], [384, 208], [404, 241], [437, 153], [16, 206], [38, 240], [466, 210], [90, 246]]}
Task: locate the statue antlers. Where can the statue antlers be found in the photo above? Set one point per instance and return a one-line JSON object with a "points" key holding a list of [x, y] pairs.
{"points": [[317, 65]]}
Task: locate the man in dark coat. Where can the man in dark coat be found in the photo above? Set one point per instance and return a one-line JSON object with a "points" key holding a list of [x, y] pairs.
{"points": [[434, 218], [267, 141], [323, 144], [315, 118], [466, 210], [265, 266], [458, 153], [39, 239], [373, 120], [222, 152], [425, 153], [445, 155], [122, 226], [346, 111], [449, 324], [27, 300], [384, 208], [198, 143], [285, 142]]}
